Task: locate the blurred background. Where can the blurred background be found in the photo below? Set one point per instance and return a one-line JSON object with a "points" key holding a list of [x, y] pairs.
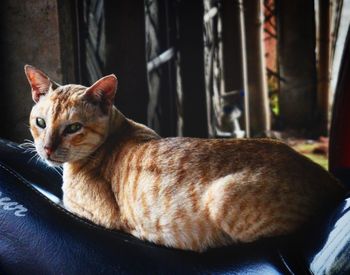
{"points": [[200, 68]]}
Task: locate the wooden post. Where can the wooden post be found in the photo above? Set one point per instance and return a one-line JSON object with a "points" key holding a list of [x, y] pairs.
{"points": [[190, 23], [297, 64], [257, 85], [244, 67], [126, 57], [234, 53]]}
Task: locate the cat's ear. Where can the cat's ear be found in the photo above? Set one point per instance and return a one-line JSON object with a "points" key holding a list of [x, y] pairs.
{"points": [[103, 91], [39, 82]]}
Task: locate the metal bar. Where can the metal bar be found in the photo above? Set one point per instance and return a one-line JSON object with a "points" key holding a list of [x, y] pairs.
{"points": [[170, 13], [210, 14], [160, 59], [244, 68]]}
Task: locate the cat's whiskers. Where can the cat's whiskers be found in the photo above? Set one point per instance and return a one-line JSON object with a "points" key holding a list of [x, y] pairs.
{"points": [[29, 150], [32, 157], [57, 169], [35, 157], [28, 146]]}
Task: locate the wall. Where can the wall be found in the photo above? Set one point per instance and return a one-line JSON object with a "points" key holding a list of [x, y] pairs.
{"points": [[29, 35]]}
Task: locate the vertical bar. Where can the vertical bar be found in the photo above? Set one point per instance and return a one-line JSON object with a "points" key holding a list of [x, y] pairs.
{"points": [[324, 52], [68, 24], [244, 68], [297, 65], [167, 26], [339, 148], [191, 48], [232, 54], [126, 55], [258, 96], [80, 38]]}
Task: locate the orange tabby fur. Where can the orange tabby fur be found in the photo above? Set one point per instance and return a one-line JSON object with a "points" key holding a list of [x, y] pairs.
{"points": [[184, 193]]}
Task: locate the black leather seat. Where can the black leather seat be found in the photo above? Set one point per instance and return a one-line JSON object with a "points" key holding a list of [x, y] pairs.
{"points": [[38, 236]]}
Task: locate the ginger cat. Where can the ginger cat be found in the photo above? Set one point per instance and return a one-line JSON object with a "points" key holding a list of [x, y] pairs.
{"points": [[185, 193]]}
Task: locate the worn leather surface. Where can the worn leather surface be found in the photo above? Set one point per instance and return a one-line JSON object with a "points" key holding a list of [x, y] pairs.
{"points": [[38, 236]]}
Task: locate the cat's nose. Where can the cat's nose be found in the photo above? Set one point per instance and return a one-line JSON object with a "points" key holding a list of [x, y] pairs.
{"points": [[48, 150]]}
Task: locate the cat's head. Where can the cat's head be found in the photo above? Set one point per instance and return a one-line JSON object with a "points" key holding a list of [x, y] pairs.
{"points": [[69, 122]]}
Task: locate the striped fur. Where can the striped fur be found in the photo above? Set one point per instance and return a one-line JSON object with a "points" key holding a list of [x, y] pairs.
{"points": [[184, 193]]}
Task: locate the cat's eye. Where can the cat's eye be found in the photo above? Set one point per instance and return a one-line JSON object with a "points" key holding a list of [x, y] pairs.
{"points": [[73, 128], [41, 122]]}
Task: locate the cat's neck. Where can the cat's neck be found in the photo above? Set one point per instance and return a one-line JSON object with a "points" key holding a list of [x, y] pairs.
{"points": [[116, 122], [120, 126]]}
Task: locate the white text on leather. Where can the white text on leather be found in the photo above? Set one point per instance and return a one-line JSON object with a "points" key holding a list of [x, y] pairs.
{"points": [[7, 204]]}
